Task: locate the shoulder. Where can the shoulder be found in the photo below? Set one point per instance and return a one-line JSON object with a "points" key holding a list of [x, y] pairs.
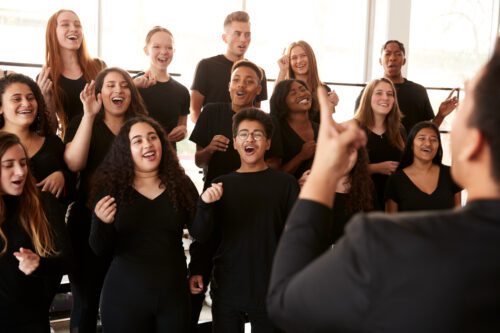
{"points": [[412, 85]]}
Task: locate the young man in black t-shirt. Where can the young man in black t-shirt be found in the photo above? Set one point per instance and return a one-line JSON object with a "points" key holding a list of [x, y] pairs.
{"points": [[212, 74], [247, 208], [412, 98]]}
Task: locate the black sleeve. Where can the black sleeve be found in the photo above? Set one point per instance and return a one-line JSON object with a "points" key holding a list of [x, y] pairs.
{"points": [[60, 262], [314, 288], [276, 149], [201, 134], [428, 113], [391, 189], [203, 223], [200, 81], [185, 102], [102, 235]]}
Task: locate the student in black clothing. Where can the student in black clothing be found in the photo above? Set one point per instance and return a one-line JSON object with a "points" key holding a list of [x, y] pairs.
{"points": [[354, 192], [422, 182], [299, 62], [68, 67], [421, 272], [166, 99], [33, 242], [291, 104], [379, 115], [23, 112], [214, 152], [248, 207], [412, 97], [108, 103], [145, 201], [213, 74]]}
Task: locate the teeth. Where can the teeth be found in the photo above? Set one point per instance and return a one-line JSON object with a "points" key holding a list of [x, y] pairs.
{"points": [[24, 111], [240, 93], [304, 101], [149, 154], [117, 99], [72, 37]]}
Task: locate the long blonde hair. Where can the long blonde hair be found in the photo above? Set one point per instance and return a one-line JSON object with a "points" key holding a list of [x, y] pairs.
{"points": [[31, 215], [364, 114], [89, 66]]}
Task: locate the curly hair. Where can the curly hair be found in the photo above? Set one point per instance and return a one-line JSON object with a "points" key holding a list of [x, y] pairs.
{"points": [[116, 173], [408, 155], [41, 124], [278, 105], [31, 215], [364, 114], [360, 184]]}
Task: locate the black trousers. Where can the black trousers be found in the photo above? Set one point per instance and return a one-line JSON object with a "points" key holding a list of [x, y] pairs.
{"points": [[231, 319]]}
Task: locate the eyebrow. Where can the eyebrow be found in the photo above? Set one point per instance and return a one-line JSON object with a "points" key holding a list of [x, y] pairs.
{"points": [[140, 135], [13, 160]]}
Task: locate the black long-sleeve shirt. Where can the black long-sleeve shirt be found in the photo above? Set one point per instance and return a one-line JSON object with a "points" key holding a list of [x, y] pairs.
{"points": [[22, 297], [417, 272], [250, 217]]}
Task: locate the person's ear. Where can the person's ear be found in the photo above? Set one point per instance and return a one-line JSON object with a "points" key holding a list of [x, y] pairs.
{"points": [[473, 147], [224, 37], [404, 61], [146, 52], [268, 145], [380, 61]]}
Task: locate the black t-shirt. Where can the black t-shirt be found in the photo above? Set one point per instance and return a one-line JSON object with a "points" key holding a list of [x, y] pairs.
{"points": [[413, 102], [166, 102], [212, 78], [380, 150], [23, 299], [100, 142], [292, 145], [250, 216], [217, 119], [409, 197], [71, 103]]}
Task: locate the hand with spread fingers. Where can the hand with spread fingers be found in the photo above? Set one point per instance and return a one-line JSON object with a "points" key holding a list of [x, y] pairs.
{"points": [[91, 104]]}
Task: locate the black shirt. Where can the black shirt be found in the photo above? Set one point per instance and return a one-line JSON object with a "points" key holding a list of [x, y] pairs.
{"points": [[292, 145], [23, 299], [217, 119], [409, 272], [70, 97], [166, 102], [409, 197], [212, 78], [250, 216]]}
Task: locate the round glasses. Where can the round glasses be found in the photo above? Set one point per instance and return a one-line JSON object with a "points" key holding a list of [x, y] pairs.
{"points": [[256, 135]]}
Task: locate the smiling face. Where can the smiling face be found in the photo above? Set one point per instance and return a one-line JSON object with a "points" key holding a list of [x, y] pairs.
{"points": [[14, 170], [116, 95], [160, 50], [251, 143], [299, 61], [382, 99], [298, 98], [19, 106], [237, 36], [69, 31], [243, 87], [425, 145], [145, 147]]}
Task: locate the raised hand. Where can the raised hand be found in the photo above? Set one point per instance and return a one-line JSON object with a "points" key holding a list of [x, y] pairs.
{"points": [[213, 193], [28, 260], [145, 81], [449, 104], [105, 209], [91, 104], [283, 63]]}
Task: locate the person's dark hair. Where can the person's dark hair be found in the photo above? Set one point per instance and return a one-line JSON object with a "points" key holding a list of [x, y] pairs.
{"points": [[486, 115], [40, 125], [401, 46], [136, 107], [254, 114], [361, 186], [116, 173], [249, 64], [279, 107], [238, 16], [408, 154]]}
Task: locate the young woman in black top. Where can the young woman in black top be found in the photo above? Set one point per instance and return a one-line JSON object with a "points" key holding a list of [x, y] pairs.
{"points": [[422, 182], [379, 115], [291, 104], [68, 67], [33, 242], [145, 200], [166, 99], [108, 103]]}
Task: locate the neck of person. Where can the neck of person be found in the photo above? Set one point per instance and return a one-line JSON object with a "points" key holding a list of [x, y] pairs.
{"points": [[238, 108], [161, 75], [23, 133], [343, 185], [421, 165], [114, 123], [71, 66], [395, 78], [299, 118], [232, 57], [260, 165], [146, 178], [379, 124]]}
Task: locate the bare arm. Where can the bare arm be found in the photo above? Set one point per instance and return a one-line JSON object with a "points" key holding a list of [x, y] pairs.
{"points": [[203, 156], [391, 206], [197, 100]]}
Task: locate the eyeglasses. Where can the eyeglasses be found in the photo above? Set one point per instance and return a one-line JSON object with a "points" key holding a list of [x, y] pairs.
{"points": [[256, 135]]}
